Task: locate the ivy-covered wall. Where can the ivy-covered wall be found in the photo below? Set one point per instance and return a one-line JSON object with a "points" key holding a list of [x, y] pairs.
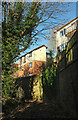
{"points": [[37, 91], [30, 87]]}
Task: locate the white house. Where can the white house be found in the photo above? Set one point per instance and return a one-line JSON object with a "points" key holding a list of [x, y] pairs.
{"points": [[64, 34], [31, 61]]}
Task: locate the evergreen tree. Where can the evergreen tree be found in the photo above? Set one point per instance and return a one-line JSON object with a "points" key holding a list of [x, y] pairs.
{"points": [[19, 27], [16, 31], [16, 35], [49, 71], [49, 77]]}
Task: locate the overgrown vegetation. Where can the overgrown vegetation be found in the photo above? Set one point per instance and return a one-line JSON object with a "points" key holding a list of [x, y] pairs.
{"points": [[49, 75], [16, 35], [20, 22]]}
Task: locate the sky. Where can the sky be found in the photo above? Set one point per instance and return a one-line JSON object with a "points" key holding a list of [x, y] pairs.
{"points": [[69, 16]]}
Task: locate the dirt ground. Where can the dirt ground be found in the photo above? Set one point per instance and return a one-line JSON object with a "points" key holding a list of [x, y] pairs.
{"points": [[36, 109]]}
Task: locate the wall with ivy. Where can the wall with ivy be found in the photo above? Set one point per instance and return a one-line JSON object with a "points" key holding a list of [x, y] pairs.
{"points": [[29, 87]]}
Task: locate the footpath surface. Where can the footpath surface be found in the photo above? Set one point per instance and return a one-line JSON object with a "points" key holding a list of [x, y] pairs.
{"points": [[36, 109]]}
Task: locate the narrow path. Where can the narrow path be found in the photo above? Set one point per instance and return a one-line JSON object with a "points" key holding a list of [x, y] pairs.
{"points": [[36, 109]]}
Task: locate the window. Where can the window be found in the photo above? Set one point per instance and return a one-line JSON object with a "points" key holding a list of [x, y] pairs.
{"points": [[30, 65], [65, 45], [77, 22], [62, 47], [30, 74], [62, 32], [21, 68], [30, 55]]}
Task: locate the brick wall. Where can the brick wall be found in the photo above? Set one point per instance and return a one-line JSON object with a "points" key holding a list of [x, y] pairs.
{"points": [[35, 69]]}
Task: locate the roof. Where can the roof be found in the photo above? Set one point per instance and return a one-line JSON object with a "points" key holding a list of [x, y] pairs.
{"points": [[34, 50], [65, 25]]}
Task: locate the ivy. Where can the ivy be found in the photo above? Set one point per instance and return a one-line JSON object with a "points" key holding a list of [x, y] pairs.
{"points": [[49, 71], [17, 29]]}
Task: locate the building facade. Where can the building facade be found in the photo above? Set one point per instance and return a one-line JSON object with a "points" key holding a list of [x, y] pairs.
{"points": [[30, 63], [64, 34]]}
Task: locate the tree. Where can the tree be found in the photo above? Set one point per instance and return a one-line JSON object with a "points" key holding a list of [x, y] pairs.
{"points": [[49, 77], [20, 24], [49, 71], [16, 31], [13, 38]]}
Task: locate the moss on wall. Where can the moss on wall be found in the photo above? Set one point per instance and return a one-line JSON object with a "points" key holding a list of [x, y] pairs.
{"points": [[30, 87], [37, 87]]}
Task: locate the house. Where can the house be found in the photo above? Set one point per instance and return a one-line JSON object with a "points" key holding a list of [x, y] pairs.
{"points": [[29, 64], [64, 34]]}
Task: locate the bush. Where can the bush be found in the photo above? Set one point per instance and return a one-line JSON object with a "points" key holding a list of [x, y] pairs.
{"points": [[9, 105]]}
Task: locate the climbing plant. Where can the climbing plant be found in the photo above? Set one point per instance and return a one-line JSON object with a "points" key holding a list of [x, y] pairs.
{"points": [[49, 71]]}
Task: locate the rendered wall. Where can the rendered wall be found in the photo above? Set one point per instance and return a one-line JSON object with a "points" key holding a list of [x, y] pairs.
{"points": [[39, 55], [63, 39]]}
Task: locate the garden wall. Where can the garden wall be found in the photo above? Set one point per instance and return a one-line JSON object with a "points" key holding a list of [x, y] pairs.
{"points": [[30, 87], [68, 77]]}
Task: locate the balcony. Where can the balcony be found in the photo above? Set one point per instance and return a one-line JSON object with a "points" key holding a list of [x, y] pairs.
{"points": [[70, 30]]}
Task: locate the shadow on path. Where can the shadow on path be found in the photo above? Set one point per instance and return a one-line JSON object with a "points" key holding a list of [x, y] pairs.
{"points": [[36, 109]]}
